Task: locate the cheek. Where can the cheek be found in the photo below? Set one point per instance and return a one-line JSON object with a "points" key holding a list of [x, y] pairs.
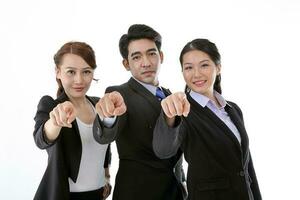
{"points": [[155, 61], [65, 80], [187, 77]]}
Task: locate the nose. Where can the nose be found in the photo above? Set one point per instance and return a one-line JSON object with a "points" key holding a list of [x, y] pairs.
{"points": [[146, 62], [197, 72], [78, 78]]}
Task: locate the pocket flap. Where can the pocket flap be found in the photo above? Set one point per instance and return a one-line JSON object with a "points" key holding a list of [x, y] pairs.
{"points": [[213, 184]]}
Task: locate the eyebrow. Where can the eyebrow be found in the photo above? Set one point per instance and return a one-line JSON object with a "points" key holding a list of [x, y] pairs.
{"points": [[76, 68], [199, 62], [138, 52]]}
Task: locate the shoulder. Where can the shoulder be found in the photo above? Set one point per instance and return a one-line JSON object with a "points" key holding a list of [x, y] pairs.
{"points": [[94, 99], [236, 107], [118, 88], [233, 104], [46, 101], [46, 104]]}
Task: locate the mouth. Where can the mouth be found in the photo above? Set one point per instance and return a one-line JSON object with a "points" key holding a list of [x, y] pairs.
{"points": [[199, 83], [148, 73], [78, 89]]}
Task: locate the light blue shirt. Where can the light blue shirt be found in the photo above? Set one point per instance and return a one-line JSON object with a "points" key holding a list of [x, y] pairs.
{"points": [[219, 111], [149, 87]]}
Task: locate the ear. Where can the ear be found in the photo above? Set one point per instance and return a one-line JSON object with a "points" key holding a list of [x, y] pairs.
{"points": [[57, 73], [161, 55], [126, 64], [219, 69]]}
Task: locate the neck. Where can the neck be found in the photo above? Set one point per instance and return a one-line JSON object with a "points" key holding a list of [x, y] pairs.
{"points": [[79, 101], [213, 98]]}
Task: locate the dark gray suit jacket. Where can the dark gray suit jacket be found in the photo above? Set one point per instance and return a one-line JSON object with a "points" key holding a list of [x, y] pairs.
{"points": [[64, 154], [141, 175]]}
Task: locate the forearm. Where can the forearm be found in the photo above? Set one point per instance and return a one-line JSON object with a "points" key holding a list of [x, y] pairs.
{"points": [[107, 174], [105, 135], [45, 106], [51, 131], [166, 140]]}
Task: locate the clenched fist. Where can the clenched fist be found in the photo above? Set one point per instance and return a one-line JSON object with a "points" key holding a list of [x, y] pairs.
{"points": [[63, 114], [111, 104], [175, 105]]}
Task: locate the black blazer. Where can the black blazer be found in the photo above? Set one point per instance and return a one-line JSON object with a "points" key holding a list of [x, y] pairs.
{"points": [[141, 175], [219, 167], [64, 154]]}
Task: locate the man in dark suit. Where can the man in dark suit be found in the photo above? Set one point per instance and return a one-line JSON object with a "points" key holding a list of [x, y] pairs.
{"points": [[133, 109]]}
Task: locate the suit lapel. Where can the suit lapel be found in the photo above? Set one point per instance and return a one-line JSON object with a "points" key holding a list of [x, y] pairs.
{"points": [[141, 90], [167, 92], [71, 140], [218, 122], [236, 119]]}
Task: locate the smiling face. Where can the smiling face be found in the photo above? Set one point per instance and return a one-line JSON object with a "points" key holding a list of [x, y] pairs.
{"points": [[144, 61], [199, 72], [75, 75]]}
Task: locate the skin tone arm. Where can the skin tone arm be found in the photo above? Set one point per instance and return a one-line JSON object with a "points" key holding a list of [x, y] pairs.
{"points": [[107, 187], [61, 116], [175, 105]]}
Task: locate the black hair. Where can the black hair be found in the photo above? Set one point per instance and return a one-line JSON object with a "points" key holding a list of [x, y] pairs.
{"points": [[136, 32]]}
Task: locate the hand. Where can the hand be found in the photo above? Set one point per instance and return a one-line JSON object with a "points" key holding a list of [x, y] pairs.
{"points": [[176, 105], [106, 190], [111, 104], [63, 114]]}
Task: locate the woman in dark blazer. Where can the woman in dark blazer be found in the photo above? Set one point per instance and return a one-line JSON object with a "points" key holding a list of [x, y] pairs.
{"points": [[209, 130], [77, 165]]}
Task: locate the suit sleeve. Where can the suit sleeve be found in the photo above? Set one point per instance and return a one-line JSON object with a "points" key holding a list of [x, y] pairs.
{"points": [[106, 135], [167, 140], [44, 107], [254, 184]]}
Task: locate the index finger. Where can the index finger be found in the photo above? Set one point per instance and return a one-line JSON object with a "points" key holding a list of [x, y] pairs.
{"points": [[186, 107]]}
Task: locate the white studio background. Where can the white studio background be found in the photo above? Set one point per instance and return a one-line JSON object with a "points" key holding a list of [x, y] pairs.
{"points": [[258, 41]]}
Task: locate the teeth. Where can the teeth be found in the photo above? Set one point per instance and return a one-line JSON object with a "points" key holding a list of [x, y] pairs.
{"points": [[199, 82]]}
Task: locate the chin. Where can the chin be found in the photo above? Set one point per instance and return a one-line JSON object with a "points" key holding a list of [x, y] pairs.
{"points": [[148, 80], [78, 94], [199, 90]]}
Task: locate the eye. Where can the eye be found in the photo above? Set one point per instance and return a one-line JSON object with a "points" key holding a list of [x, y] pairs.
{"points": [[187, 68], [205, 65], [71, 72], [152, 53], [135, 58], [87, 72]]}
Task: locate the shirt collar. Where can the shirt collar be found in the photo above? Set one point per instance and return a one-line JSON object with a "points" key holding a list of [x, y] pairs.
{"points": [[204, 100], [149, 87]]}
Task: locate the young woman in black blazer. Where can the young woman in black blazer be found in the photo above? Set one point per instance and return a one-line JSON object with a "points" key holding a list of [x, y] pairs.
{"points": [[77, 164], [209, 130]]}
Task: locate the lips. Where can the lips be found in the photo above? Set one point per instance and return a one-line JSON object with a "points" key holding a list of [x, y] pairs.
{"points": [[199, 83], [147, 73], [78, 89]]}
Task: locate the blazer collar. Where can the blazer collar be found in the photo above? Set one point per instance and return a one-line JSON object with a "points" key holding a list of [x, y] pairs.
{"points": [[218, 122], [141, 90], [64, 97], [237, 120]]}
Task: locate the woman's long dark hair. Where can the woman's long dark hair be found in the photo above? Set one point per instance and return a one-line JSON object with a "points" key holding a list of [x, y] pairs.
{"points": [[211, 50], [81, 49]]}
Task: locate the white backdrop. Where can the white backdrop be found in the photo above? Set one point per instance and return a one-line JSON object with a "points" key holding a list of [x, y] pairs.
{"points": [[258, 40]]}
